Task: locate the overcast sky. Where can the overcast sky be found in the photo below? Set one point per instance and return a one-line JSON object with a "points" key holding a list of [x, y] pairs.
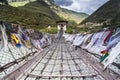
{"points": [[87, 6]]}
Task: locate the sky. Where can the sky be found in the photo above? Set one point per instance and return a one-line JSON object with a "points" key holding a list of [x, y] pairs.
{"points": [[86, 6]]}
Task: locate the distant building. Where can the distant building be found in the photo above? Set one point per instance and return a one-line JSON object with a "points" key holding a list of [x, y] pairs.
{"points": [[62, 27]]}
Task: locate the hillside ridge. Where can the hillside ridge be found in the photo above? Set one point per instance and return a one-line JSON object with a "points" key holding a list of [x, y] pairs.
{"points": [[107, 16]]}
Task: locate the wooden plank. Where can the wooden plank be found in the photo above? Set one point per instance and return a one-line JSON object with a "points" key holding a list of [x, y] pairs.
{"points": [[61, 76]]}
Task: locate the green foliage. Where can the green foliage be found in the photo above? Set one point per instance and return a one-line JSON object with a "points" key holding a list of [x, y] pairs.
{"points": [[69, 30], [40, 7], [72, 24], [90, 30], [53, 30], [37, 15], [71, 15], [28, 17]]}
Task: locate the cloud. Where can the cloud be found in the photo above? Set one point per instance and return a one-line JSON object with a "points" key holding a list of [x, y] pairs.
{"points": [[64, 2], [87, 6]]}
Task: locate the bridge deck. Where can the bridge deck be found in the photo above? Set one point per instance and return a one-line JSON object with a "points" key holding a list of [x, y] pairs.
{"points": [[61, 62]]}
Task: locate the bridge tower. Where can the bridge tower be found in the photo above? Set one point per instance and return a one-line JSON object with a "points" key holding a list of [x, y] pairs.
{"points": [[62, 27]]}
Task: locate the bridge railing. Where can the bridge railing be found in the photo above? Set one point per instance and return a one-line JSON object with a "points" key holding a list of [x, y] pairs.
{"points": [[15, 49]]}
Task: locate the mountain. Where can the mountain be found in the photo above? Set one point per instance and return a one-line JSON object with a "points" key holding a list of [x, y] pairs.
{"points": [[65, 13], [107, 15], [39, 14], [35, 15], [71, 15], [40, 7]]}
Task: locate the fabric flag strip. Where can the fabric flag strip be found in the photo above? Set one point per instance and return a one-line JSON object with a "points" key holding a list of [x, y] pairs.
{"points": [[112, 55], [1, 38], [4, 39], [86, 41], [96, 49], [114, 40]]}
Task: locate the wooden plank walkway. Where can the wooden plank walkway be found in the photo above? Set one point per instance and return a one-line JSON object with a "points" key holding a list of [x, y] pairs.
{"points": [[61, 62]]}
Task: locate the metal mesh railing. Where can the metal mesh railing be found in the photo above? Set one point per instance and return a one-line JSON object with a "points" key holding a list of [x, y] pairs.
{"points": [[62, 63], [9, 57]]}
